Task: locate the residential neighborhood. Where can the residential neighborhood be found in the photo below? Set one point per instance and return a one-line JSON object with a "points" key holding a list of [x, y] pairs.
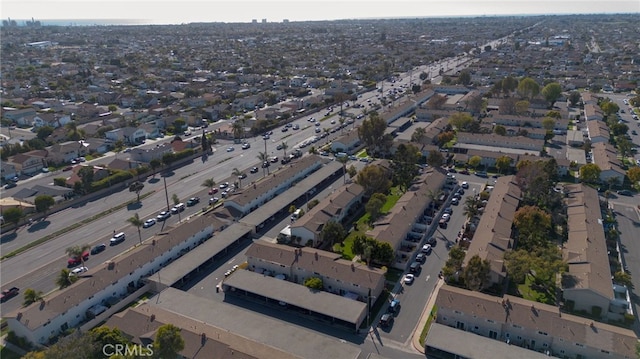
{"points": [[393, 188]]}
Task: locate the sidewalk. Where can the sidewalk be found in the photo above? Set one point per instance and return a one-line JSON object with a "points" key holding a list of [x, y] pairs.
{"points": [[425, 316]]}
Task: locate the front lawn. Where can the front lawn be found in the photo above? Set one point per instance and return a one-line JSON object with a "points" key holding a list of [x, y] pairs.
{"points": [[530, 291]]}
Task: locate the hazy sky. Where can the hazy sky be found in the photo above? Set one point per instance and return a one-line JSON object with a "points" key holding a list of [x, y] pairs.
{"points": [[177, 11]]}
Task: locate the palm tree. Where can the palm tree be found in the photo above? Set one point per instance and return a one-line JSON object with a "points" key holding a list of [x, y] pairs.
{"points": [[238, 129], [471, 207], [326, 131], [236, 172], [264, 158], [64, 280], [77, 251], [31, 296], [209, 183], [284, 148], [155, 164], [73, 133], [344, 160], [342, 120], [137, 222]]}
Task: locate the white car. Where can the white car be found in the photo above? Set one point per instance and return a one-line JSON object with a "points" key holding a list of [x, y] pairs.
{"points": [[163, 215], [446, 217], [408, 278], [464, 185], [78, 270], [148, 223]]}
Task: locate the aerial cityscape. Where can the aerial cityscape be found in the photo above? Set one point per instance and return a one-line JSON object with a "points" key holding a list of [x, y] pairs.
{"points": [[295, 184]]}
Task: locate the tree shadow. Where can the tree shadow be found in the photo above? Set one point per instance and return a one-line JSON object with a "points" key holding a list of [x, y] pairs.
{"points": [[8, 237], [40, 225], [167, 174], [154, 180], [133, 206]]}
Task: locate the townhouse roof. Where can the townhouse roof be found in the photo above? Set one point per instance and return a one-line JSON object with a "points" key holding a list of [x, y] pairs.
{"points": [[493, 233], [585, 249], [325, 264], [496, 140], [266, 184], [201, 339], [597, 129], [101, 277], [393, 226], [538, 317], [330, 207], [348, 138], [606, 157]]}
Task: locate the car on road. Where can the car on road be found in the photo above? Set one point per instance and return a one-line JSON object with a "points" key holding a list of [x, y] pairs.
{"points": [[448, 210], [431, 241], [426, 249], [464, 184], [213, 200], [415, 267], [193, 201], [117, 238], [74, 261], [10, 185], [408, 278], [625, 192], [386, 320], [213, 191], [394, 306], [9, 293], [274, 159], [178, 208], [634, 132], [230, 149], [455, 201], [296, 126], [224, 185], [265, 137], [148, 223], [421, 257], [279, 147], [162, 216], [242, 175], [464, 172], [98, 248], [78, 270], [246, 146], [446, 217], [482, 174], [254, 170]]}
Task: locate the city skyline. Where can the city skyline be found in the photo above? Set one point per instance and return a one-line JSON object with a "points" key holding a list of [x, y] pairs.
{"points": [[167, 12]]}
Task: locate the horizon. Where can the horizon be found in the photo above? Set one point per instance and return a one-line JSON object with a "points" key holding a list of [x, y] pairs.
{"points": [[65, 12]]}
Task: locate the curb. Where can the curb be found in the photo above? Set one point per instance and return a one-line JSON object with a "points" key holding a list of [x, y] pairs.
{"points": [[426, 312]]}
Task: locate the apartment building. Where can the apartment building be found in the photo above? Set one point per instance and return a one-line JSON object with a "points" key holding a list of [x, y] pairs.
{"points": [[606, 157]]}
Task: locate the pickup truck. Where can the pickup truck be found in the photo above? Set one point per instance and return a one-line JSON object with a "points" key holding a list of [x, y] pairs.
{"points": [[9, 293]]}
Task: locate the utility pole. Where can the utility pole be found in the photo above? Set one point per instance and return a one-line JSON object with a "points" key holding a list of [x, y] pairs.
{"points": [[166, 193]]}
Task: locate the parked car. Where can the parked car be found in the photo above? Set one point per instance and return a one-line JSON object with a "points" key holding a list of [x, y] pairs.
{"points": [[224, 185], [415, 267], [178, 208], [193, 201], [162, 216], [420, 257], [230, 149], [625, 192], [246, 146], [9, 293], [117, 238], [213, 200], [148, 223], [394, 306], [254, 170], [98, 248], [446, 217], [455, 201], [10, 185], [78, 270], [464, 185], [213, 191], [426, 249], [74, 261], [431, 241], [386, 320], [242, 175], [408, 278]]}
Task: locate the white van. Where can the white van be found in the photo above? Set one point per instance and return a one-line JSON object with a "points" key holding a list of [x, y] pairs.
{"points": [[296, 214], [117, 238]]}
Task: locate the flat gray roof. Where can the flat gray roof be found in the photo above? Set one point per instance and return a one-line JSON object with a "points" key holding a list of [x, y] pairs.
{"points": [[331, 305], [180, 267], [474, 346], [284, 199]]}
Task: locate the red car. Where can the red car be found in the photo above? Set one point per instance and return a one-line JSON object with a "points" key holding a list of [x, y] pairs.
{"points": [[74, 261], [213, 190], [8, 294]]}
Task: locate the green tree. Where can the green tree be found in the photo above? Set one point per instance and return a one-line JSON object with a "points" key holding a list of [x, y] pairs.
{"points": [[634, 175], [238, 174], [374, 179], [551, 92], [64, 279], [548, 123], [332, 232], [454, 262], [528, 88], [238, 129], [136, 222], [86, 175], [464, 78], [352, 171], [590, 173], [404, 165], [533, 226], [435, 158], [313, 283], [436, 102], [371, 132], [43, 203], [418, 135], [500, 130], [175, 199], [264, 160], [461, 121], [522, 107], [73, 133], [31, 296], [168, 342], [209, 183], [574, 98], [503, 164], [136, 187], [476, 273], [343, 160], [609, 107], [475, 161], [168, 158], [471, 207], [13, 215], [284, 147], [44, 132], [518, 264], [155, 164], [623, 278], [374, 206], [77, 251]]}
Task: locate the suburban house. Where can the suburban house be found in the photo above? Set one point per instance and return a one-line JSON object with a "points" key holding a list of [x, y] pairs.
{"points": [[29, 162], [587, 285], [50, 119], [145, 155], [535, 326], [22, 117], [598, 132], [98, 174], [67, 151], [335, 207], [592, 112], [8, 170], [492, 238], [129, 135], [494, 140]]}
